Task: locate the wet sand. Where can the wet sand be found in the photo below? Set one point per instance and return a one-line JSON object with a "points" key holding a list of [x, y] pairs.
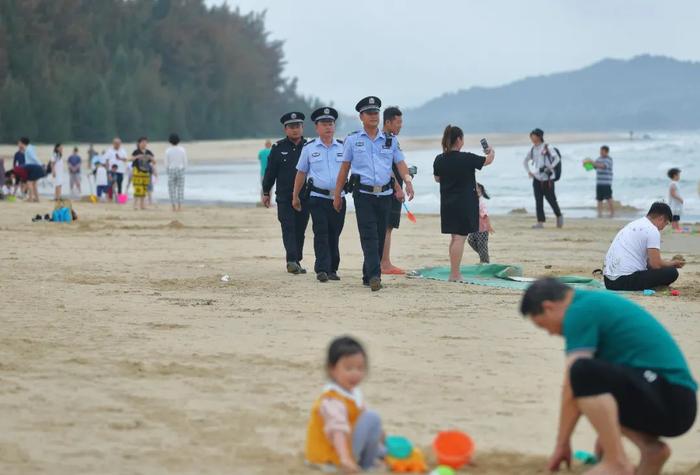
{"points": [[122, 351]]}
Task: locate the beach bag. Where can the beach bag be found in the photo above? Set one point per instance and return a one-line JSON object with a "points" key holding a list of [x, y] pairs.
{"points": [[62, 215]]}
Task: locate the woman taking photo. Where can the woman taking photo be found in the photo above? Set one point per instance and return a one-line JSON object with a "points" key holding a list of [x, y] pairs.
{"points": [[459, 201]]}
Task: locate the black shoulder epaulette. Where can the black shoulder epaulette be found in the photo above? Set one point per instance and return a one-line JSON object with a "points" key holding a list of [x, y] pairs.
{"points": [[310, 141], [339, 141], [355, 132], [279, 142]]}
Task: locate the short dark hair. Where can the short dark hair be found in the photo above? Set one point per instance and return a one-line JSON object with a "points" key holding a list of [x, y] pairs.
{"points": [[141, 139], [660, 209], [605, 147], [390, 113], [673, 172], [174, 139], [541, 290], [539, 132], [24, 140], [341, 347], [75, 149]]}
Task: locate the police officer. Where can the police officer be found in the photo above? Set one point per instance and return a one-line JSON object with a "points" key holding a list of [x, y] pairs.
{"points": [[370, 153], [281, 168], [320, 160]]}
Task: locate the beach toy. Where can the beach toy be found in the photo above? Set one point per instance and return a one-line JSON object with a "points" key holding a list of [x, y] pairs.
{"points": [[398, 447], [409, 215], [443, 470], [122, 199], [11, 198], [676, 293], [648, 292], [453, 448], [225, 278], [588, 166], [93, 198], [586, 457], [415, 463]]}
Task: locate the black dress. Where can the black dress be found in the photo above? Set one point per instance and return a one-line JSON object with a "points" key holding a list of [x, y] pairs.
{"points": [[459, 202]]}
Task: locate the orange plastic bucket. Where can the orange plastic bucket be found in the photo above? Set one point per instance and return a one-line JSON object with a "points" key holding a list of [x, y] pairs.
{"points": [[453, 448]]}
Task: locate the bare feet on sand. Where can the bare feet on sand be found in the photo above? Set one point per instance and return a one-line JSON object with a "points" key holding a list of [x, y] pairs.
{"points": [[609, 468], [455, 278], [654, 456]]}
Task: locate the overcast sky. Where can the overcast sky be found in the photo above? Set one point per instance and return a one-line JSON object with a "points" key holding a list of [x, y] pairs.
{"points": [[408, 51]]}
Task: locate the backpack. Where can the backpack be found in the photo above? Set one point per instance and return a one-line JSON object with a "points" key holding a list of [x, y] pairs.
{"points": [[557, 168]]}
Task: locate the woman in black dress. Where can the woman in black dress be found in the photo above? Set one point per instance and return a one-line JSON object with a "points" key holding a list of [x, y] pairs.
{"points": [[459, 202]]}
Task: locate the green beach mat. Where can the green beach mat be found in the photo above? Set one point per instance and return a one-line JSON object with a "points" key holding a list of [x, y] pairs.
{"points": [[499, 275]]}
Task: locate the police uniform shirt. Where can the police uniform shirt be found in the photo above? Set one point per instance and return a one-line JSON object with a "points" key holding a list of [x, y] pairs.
{"points": [[281, 168], [372, 159], [322, 163]]}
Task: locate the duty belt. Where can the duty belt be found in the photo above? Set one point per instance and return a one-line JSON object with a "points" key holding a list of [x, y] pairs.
{"points": [[320, 191], [376, 189]]}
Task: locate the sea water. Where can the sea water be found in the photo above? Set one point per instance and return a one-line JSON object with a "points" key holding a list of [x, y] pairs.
{"points": [[639, 166]]}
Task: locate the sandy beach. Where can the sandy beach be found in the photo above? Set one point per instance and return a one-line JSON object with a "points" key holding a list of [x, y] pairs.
{"points": [[218, 151], [122, 351]]}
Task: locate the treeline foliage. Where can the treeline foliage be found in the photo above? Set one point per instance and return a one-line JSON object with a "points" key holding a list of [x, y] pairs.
{"points": [[89, 69]]}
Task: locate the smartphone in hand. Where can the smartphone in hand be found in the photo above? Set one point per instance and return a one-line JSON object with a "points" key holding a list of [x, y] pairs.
{"points": [[484, 145]]}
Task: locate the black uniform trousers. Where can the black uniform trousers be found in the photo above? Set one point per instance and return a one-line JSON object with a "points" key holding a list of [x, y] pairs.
{"points": [[327, 226], [293, 228], [372, 214], [545, 189]]}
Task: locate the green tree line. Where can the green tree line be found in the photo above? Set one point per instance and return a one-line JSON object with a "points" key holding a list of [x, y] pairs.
{"points": [[89, 69]]}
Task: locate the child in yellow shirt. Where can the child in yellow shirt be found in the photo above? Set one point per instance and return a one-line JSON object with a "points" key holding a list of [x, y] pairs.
{"points": [[342, 433]]}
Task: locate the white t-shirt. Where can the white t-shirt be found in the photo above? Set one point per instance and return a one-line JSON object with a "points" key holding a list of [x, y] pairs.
{"points": [[628, 251], [175, 157], [675, 204], [101, 177], [110, 158]]}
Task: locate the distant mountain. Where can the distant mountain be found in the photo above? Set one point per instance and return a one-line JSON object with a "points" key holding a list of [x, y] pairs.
{"points": [[643, 93]]}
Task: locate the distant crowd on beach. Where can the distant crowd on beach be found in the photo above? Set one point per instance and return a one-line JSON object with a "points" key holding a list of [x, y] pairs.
{"points": [[109, 174]]}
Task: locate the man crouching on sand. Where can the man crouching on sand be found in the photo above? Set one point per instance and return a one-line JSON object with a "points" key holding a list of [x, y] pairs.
{"points": [[624, 373]]}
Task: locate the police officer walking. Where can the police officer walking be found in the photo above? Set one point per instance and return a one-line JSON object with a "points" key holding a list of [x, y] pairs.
{"points": [[320, 160], [370, 153], [281, 168]]}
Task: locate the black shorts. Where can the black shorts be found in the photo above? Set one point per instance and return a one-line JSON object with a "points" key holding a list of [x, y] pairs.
{"points": [[395, 214], [646, 401], [603, 192], [675, 218]]}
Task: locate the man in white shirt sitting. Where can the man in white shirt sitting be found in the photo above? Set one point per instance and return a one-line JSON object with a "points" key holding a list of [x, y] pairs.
{"points": [[634, 261]]}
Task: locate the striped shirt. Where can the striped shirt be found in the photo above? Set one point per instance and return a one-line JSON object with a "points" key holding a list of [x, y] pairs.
{"points": [[604, 176]]}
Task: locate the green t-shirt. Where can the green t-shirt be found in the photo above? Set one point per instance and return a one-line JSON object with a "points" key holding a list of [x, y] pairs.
{"points": [[620, 331], [262, 156]]}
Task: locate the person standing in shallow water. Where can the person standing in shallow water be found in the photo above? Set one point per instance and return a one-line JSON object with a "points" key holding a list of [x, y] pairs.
{"points": [[281, 170], [544, 159], [459, 198]]}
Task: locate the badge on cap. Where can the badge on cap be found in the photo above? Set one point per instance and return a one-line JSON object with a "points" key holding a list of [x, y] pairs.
{"points": [[294, 116], [326, 110], [371, 100]]}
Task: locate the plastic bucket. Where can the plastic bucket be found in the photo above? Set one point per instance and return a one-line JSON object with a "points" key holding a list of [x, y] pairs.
{"points": [[398, 447], [122, 199], [453, 448]]}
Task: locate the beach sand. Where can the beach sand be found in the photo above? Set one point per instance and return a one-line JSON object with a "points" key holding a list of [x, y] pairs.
{"points": [[218, 151], [123, 352]]}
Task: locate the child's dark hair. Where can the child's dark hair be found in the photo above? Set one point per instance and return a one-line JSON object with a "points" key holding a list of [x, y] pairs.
{"points": [[606, 148], [341, 347], [673, 172], [483, 191]]}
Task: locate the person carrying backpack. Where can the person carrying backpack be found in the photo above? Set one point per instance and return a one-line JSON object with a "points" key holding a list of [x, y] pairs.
{"points": [[545, 170]]}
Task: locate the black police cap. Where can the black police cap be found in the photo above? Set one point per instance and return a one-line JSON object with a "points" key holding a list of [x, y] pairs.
{"points": [[324, 113], [292, 118], [369, 104]]}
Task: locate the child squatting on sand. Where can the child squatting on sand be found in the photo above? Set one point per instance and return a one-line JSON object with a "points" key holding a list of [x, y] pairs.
{"points": [[479, 241], [342, 433]]}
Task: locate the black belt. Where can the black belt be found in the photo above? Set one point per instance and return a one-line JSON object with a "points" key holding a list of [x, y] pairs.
{"points": [[320, 191], [377, 189]]}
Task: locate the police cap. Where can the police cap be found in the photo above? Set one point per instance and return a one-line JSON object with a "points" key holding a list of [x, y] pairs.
{"points": [[369, 104], [324, 113], [292, 118]]}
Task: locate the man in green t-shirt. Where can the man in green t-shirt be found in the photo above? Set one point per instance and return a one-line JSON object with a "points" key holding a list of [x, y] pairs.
{"points": [[624, 372]]}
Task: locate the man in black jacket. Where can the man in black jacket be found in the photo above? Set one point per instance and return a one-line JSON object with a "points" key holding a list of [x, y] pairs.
{"points": [[282, 169]]}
